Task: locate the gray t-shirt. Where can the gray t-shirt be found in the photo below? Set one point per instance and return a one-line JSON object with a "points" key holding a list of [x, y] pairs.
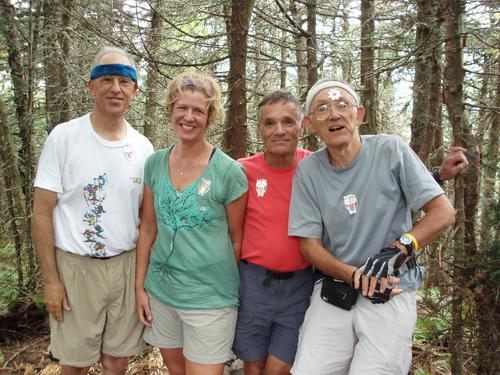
{"points": [[357, 210]]}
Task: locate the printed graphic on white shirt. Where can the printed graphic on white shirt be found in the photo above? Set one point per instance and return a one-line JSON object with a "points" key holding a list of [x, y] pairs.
{"points": [[94, 197], [261, 187]]}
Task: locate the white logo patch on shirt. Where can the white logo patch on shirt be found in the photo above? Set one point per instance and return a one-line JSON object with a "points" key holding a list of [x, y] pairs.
{"points": [[261, 187], [204, 187], [351, 203]]}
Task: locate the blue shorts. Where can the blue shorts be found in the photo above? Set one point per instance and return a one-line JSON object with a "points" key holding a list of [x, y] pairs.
{"points": [[271, 313]]}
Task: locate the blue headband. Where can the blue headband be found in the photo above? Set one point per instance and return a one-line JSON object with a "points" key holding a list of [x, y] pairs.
{"points": [[114, 70]]}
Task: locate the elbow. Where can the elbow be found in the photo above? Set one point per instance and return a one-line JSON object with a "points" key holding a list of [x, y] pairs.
{"points": [[448, 216], [451, 218]]}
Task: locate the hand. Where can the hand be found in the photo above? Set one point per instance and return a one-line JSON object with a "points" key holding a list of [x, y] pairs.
{"points": [[383, 297], [377, 269], [56, 300], [454, 162], [142, 306], [383, 264], [369, 284]]}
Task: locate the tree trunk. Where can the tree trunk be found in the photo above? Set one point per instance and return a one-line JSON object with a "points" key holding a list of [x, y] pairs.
{"points": [[311, 141], [486, 289], [57, 98], [424, 64], [283, 60], [152, 47], [15, 197], [368, 85], [346, 65], [300, 55], [453, 97], [235, 137]]}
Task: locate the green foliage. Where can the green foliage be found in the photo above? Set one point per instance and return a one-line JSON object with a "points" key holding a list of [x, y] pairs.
{"points": [[8, 277], [493, 248]]}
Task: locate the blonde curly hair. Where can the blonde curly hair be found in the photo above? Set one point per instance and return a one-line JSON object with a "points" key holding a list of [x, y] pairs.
{"points": [[200, 82]]}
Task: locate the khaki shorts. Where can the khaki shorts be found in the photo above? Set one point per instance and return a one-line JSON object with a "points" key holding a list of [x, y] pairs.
{"points": [[103, 317], [206, 335]]}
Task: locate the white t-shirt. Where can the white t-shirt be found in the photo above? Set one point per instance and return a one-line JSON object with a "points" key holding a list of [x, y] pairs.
{"points": [[99, 185]]}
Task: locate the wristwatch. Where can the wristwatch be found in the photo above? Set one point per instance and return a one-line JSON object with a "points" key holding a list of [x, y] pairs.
{"points": [[435, 175], [407, 242]]}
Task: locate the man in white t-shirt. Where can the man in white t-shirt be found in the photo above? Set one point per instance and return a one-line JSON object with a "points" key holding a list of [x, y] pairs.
{"points": [[88, 193]]}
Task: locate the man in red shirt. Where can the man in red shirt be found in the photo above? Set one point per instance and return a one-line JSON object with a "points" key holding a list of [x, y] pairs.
{"points": [[276, 281]]}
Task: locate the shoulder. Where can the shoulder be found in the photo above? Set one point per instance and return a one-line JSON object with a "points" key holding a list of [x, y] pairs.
{"points": [[383, 140], [156, 156], [139, 138], [226, 164], [251, 160], [71, 127], [310, 159], [302, 153]]}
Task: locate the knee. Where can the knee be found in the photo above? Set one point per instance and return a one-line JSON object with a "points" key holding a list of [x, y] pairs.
{"points": [[114, 365], [254, 368], [175, 369]]}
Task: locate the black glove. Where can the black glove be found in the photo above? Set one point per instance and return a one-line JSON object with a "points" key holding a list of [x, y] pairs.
{"points": [[384, 263], [379, 297]]}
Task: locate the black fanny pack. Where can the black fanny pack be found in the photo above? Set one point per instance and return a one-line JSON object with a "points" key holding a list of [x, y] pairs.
{"points": [[338, 293]]}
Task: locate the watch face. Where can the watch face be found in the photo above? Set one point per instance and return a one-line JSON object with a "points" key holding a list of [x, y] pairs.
{"points": [[405, 240]]}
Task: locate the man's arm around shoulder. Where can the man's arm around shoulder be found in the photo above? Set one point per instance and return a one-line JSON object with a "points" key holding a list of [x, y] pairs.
{"points": [[42, 231]]}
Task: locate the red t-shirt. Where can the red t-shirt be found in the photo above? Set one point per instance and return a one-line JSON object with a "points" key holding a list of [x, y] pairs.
{"points": [[265, 234]]}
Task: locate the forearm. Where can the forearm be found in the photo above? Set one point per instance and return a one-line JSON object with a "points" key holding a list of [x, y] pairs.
{"points": [[439, 214], [43, 240], [319, 257], [143, 254], [237, 250]]}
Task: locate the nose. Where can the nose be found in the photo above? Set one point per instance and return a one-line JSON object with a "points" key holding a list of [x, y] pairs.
{"points": [[116, 85], [334, 112], [188, 115], [280, 129]]}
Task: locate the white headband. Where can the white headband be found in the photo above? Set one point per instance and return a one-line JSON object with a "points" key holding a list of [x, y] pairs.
{"points": [[325, 84]]}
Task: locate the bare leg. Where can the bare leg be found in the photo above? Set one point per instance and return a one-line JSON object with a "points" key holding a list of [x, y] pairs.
{"points": [[275, 366], [113, 365], [255, 367], [70, 370], [174, 360], [199, 369]]}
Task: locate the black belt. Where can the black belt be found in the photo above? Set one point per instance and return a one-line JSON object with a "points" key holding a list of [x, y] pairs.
{"points": [[100, 258], [270, 274]]}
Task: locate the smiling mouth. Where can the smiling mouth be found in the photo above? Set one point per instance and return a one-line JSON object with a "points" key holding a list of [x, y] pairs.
{"points": [[335, 128]]}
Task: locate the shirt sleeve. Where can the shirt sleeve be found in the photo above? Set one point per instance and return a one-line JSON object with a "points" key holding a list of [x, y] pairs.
{"points": [[305, 216], [417, 184], [149, 173], [51, 164], [236, 182]]}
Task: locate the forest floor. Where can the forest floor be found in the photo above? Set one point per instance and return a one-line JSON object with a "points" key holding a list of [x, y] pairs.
{"points": [[26, 354]]}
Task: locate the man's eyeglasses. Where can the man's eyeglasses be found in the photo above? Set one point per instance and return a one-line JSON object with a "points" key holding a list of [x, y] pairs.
{"points": [[322, 111]]}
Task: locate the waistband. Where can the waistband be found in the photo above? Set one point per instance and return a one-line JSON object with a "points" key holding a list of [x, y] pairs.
{"points": [[276, 274], [89, 257]]}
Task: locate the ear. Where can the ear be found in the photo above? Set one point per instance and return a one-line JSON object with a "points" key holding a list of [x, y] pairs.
{"points": [[309, 124], [301, 128], [360, 115], [136, 87], [90, 87]]}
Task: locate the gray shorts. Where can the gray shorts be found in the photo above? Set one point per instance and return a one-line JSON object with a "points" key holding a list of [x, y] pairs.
{"points": [[206, 335], [270, 315]]}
